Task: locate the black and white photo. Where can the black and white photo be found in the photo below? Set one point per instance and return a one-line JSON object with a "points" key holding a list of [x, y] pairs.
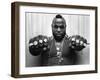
{"points": [[48, 41]]}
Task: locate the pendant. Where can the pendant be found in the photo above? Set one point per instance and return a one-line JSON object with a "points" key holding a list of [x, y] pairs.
{"points": [[57, 48], [59, 56]]}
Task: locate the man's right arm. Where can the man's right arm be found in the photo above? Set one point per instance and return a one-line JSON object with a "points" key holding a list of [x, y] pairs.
{"points": [[38, 45]]}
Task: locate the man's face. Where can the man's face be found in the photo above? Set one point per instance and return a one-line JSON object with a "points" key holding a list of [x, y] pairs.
{"points": [[59, 29]]}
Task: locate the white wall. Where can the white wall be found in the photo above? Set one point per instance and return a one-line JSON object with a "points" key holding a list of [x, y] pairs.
{"points": [[5, 40]]}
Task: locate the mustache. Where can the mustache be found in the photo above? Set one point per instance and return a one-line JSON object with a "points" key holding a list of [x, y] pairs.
{"points": [[59, 36], [58, 32]]}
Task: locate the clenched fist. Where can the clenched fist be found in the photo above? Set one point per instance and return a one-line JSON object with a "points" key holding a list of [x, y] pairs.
{"points": [[77, 42], [38, 44]]}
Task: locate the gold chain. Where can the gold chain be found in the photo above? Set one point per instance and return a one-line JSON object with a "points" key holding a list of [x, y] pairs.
{"points": [[59, 48]]}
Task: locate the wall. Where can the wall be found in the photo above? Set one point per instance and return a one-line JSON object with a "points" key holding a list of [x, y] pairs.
{"points": [[5, 40]]}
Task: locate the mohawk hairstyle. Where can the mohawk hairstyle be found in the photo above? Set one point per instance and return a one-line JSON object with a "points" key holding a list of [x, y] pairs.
{"points": [[58, 16]]}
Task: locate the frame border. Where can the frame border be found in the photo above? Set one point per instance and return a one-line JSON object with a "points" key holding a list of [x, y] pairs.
{"points": [[15, 38]]}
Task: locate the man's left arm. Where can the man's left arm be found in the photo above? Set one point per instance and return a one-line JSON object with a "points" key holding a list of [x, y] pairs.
{"points": [[77, 43]]}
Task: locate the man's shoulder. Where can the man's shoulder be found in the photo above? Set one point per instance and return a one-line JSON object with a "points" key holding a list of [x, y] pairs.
{"points": [[50, 38], [67, 37]]}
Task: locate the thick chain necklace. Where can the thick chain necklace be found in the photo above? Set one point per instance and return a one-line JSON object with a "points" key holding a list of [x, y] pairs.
{"points": [[59, 48]]}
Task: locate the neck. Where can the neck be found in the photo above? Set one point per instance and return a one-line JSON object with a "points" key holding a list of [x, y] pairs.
{"points": [[59, 41]]}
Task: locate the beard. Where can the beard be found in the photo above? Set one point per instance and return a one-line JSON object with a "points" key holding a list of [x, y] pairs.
{"points": [[59, 36]]}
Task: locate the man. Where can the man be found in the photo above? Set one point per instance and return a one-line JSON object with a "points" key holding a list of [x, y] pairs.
{"points": [[58, 49]]}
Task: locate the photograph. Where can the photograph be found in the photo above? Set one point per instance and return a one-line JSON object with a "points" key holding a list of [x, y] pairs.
{"points": [[56, 39], [53, 39]]}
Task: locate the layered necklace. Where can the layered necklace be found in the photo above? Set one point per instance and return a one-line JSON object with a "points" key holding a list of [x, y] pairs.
{"points": [[59, 49]]}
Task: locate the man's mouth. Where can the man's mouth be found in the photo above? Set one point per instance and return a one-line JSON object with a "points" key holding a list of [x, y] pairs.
{"points": [[58, 34]]}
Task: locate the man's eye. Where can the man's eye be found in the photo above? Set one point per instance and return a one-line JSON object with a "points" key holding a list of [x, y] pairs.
{"points": [[55, 26], [62, 27]]}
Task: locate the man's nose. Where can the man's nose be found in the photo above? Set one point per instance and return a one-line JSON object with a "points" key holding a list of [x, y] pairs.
{"points": [[58, 29]]}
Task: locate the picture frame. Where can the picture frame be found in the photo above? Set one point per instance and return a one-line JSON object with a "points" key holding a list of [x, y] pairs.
{"points": [[20, 24]]}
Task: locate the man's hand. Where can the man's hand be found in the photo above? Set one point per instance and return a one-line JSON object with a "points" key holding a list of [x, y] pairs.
{"points": [[77, 42], [38, 44]]}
